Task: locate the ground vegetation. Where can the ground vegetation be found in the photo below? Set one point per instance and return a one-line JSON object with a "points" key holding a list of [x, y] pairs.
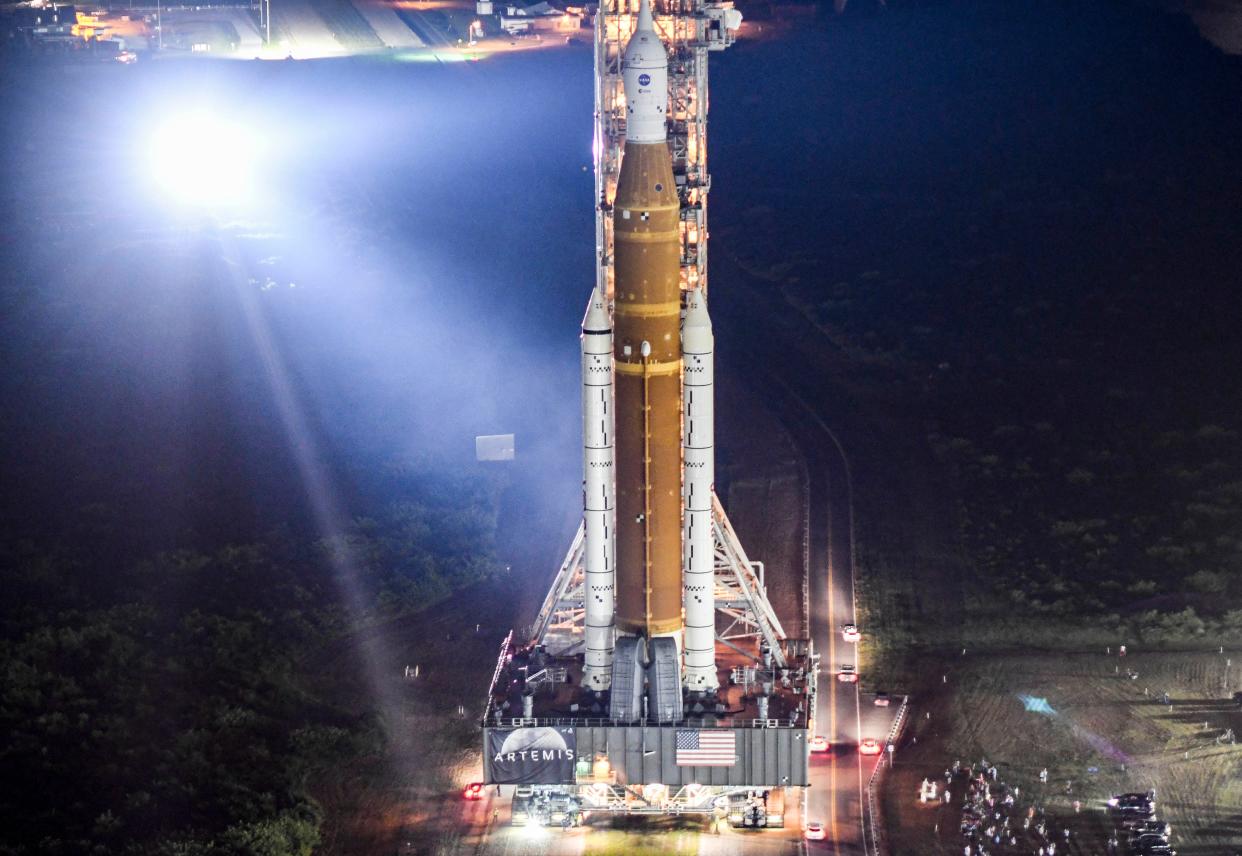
{"points": [[175, 704]]}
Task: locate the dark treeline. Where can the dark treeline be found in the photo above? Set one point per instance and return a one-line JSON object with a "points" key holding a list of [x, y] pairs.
{"points": [[169, 704]]}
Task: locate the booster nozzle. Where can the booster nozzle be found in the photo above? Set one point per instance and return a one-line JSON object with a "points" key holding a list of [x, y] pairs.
{"points": [[644, 70]]}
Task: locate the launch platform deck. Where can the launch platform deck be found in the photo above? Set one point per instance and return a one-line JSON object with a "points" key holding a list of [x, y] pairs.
{"points": [[556, 695], [543, 726]]}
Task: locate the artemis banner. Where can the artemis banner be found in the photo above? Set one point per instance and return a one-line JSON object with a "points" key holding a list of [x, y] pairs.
{"points": [[530, 756]]}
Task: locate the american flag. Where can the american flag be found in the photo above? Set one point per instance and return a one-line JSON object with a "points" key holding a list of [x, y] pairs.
{"points": [[706, 748]]}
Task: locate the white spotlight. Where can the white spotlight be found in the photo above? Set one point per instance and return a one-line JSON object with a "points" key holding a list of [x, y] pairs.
{"points": [[201, 159]]}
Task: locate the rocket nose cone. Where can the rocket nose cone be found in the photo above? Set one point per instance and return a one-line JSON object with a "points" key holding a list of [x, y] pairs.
{"points": [[597, 312], [645, 21], [696, 310], [644, 47]]}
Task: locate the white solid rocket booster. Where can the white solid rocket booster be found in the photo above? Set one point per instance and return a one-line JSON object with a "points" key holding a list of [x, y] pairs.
{"points": [[598, 492], [699, 461]]}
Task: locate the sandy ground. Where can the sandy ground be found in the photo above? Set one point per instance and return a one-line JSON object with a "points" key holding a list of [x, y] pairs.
{"points": [[1090, 726]]}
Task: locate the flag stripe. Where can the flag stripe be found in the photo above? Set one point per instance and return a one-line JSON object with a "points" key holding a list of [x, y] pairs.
{"points": [[706, 748]]}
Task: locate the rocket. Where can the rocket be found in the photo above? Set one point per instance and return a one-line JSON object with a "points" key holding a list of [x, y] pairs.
{"points": [[648, 458]]}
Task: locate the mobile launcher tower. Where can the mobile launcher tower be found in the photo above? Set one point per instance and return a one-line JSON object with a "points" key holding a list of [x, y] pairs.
{"points": [[657, 678]]}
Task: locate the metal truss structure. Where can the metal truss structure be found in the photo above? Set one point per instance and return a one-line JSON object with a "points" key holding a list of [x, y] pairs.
{"points": [[690, 29], [742, 607], [632, 799], [604, 795]]}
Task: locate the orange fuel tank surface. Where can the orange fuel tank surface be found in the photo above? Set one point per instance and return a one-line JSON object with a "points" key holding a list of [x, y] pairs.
{"points": [[647, 342]]}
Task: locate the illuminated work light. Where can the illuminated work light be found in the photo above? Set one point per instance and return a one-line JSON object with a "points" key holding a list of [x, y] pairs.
{"points": [[201, 159]]}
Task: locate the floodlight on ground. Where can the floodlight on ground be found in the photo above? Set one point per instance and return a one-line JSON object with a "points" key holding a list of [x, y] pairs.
{"points": [[199, 158]]}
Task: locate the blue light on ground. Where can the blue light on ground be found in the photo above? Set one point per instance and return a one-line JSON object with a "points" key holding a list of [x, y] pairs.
{"points": [[1037, 704]]}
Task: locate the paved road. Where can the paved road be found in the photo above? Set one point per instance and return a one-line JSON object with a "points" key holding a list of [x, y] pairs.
{"points": [[837, 777], [834, 798], [766, 340], [424, 28], [843, 713]]}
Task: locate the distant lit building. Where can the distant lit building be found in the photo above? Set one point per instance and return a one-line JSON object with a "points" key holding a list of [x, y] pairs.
{"points": [[540, 17], [39, 25]]}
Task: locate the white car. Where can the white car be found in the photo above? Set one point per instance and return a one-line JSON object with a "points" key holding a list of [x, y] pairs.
{"points": [[815, 831], [847, 674], [850, 633]]}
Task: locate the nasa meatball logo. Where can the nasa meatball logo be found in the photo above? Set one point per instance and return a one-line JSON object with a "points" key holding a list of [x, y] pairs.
{"points": [[644, 80]]}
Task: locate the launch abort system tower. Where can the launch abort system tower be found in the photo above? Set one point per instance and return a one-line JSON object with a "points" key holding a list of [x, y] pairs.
{"points": [[657, 678]]}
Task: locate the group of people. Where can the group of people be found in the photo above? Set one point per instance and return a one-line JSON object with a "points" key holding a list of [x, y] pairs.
{"points": [[994, 818]]}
